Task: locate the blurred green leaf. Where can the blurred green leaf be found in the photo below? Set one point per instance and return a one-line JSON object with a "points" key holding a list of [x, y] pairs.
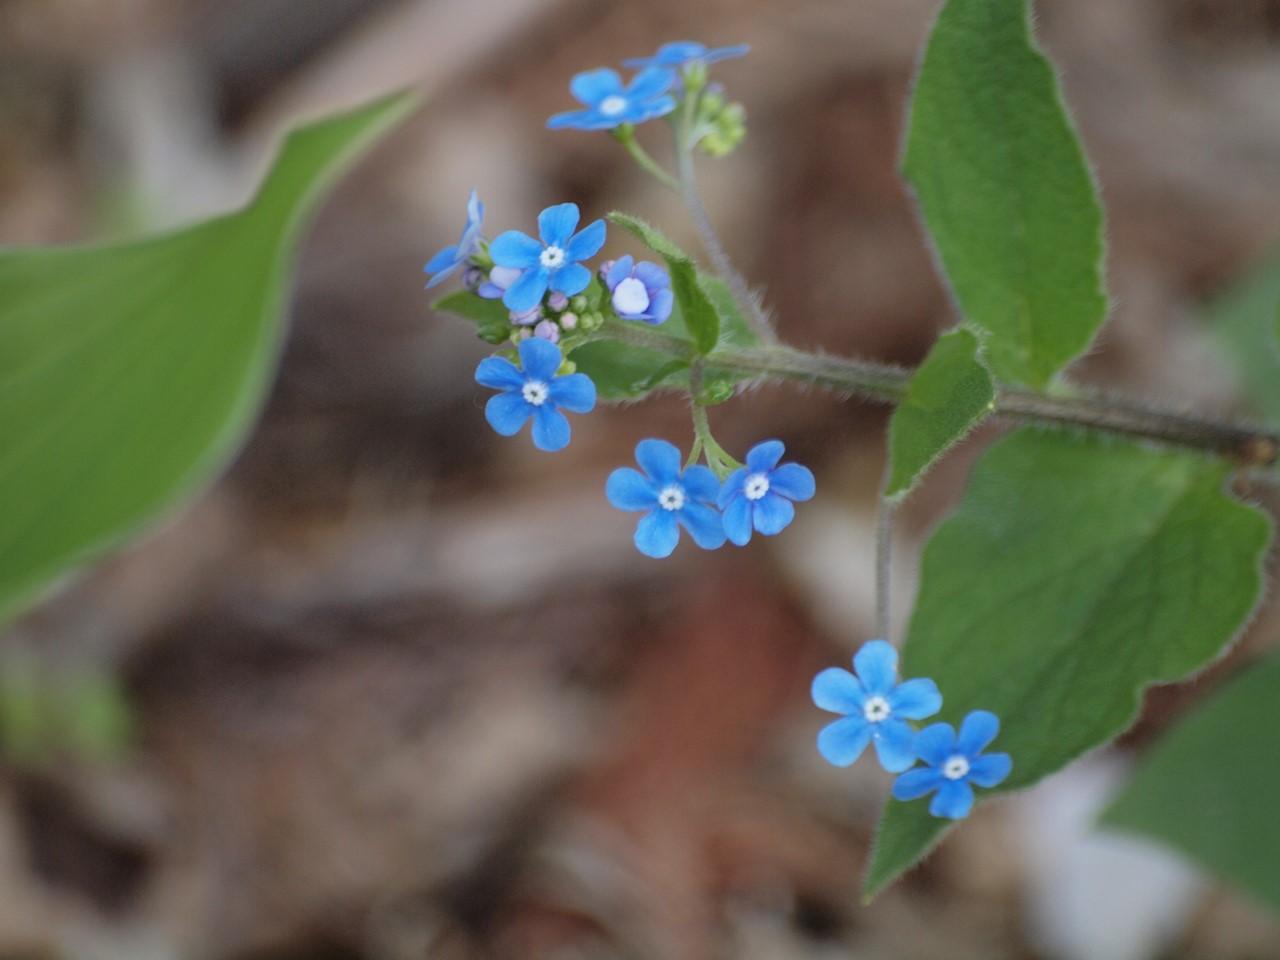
{"points": [[1005, 190], [1075, 572], [1209, 787], [1245, 324], [492, 319], [131, 372], [949, 394]]}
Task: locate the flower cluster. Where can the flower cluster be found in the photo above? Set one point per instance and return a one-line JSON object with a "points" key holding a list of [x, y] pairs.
{"points": [[876, 709]]}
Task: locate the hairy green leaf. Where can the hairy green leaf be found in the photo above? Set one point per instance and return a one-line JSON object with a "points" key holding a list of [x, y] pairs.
{"points": [[1245, 325], [1075, 572], [1005, 190], [948, 395], [131, 372], [1209, 788]]}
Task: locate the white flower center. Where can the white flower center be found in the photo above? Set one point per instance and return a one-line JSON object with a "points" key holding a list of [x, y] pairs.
{"points": [[612, 106], [534, 392], [671, 498], [955, 767], [757, 486], [552, 257], [630, 296], [876, 709]]}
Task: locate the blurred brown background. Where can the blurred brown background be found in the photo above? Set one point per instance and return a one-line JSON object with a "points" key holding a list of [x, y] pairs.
{"points": [[402, 688]]}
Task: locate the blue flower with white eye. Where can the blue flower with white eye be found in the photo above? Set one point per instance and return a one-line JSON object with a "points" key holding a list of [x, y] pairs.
{"points": [[684, 52], [549, 264], [535, 390], [674, 499], [639, 291], [876, 708], [953, 764], [760, 494], [610, 104], [451, 258]]}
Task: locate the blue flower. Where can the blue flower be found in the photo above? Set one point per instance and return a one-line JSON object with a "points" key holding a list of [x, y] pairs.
{"points": [[610, 104], [640, 291], [674, 499], [451, 258], [552, 263], [953, 764], [684, 52], [495, 285], [535, 391], [876, 706], [760, 494]]}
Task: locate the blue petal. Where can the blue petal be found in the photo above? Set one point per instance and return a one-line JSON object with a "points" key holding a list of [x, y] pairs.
{"points": [[700, 483], [475, 210], [574, 392], [528, 290], [570, 279], [843, 741], [540, 359], [515, 249], [586, 243], [737, 520], [876, 663], [977, 730], [915, 699], [839, 691], [499, 373], [620, 270], [550, 428], [581, 120], [507, 413], [916, 783], [733, 485], [724, 53], [894, 741], [935, 743], [763, 457], [773, 513], [651, 275], [446, 259], [660, 460], [653, 109], [629, 489], [592, 86], [954, 800], [703, 524], [988, 770], [557, 223], [792, 481], [649, 83], [657, 534]]}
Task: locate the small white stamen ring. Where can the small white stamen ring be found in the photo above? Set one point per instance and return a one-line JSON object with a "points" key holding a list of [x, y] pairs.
{"points": [[552, 257], [612, 106], [757, 486], [955, 767], [535, 392]]}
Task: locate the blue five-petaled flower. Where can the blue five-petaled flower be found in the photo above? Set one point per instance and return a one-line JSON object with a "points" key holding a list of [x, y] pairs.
{"points": [[759, 495], [551, 263], [451, 258], [639, 291], [609, 104], [953, 764], [672, 497], [534, 390], [876, 708], [684, 52]]}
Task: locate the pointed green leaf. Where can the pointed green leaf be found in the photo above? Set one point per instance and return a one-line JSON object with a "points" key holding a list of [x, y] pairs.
{"points": [[1209, 788], [492, 319], [1075, 572], [948, 395], [1245, 324], [131, 372], [1005, 190]]}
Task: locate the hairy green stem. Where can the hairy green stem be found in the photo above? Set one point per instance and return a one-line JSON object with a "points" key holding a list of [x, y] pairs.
{"points": [[626, 135]]}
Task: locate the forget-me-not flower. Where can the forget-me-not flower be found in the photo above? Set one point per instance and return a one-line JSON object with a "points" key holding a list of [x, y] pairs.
{"points": [[674, 499], [639, 291], [551, 263], [681, 53], [610, 104], [495, 285], [876, 708], [759, 495], [451, 258], [535, 390], [953, 764]]}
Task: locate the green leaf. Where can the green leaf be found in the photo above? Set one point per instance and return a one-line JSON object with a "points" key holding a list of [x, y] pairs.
{"points": [[492, 319], [735, 331], [1209, 787], [1005, 190], [948, 395], [1075, 572], [623, 372], [1245, 325], [131, 372], [700, 313]]}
